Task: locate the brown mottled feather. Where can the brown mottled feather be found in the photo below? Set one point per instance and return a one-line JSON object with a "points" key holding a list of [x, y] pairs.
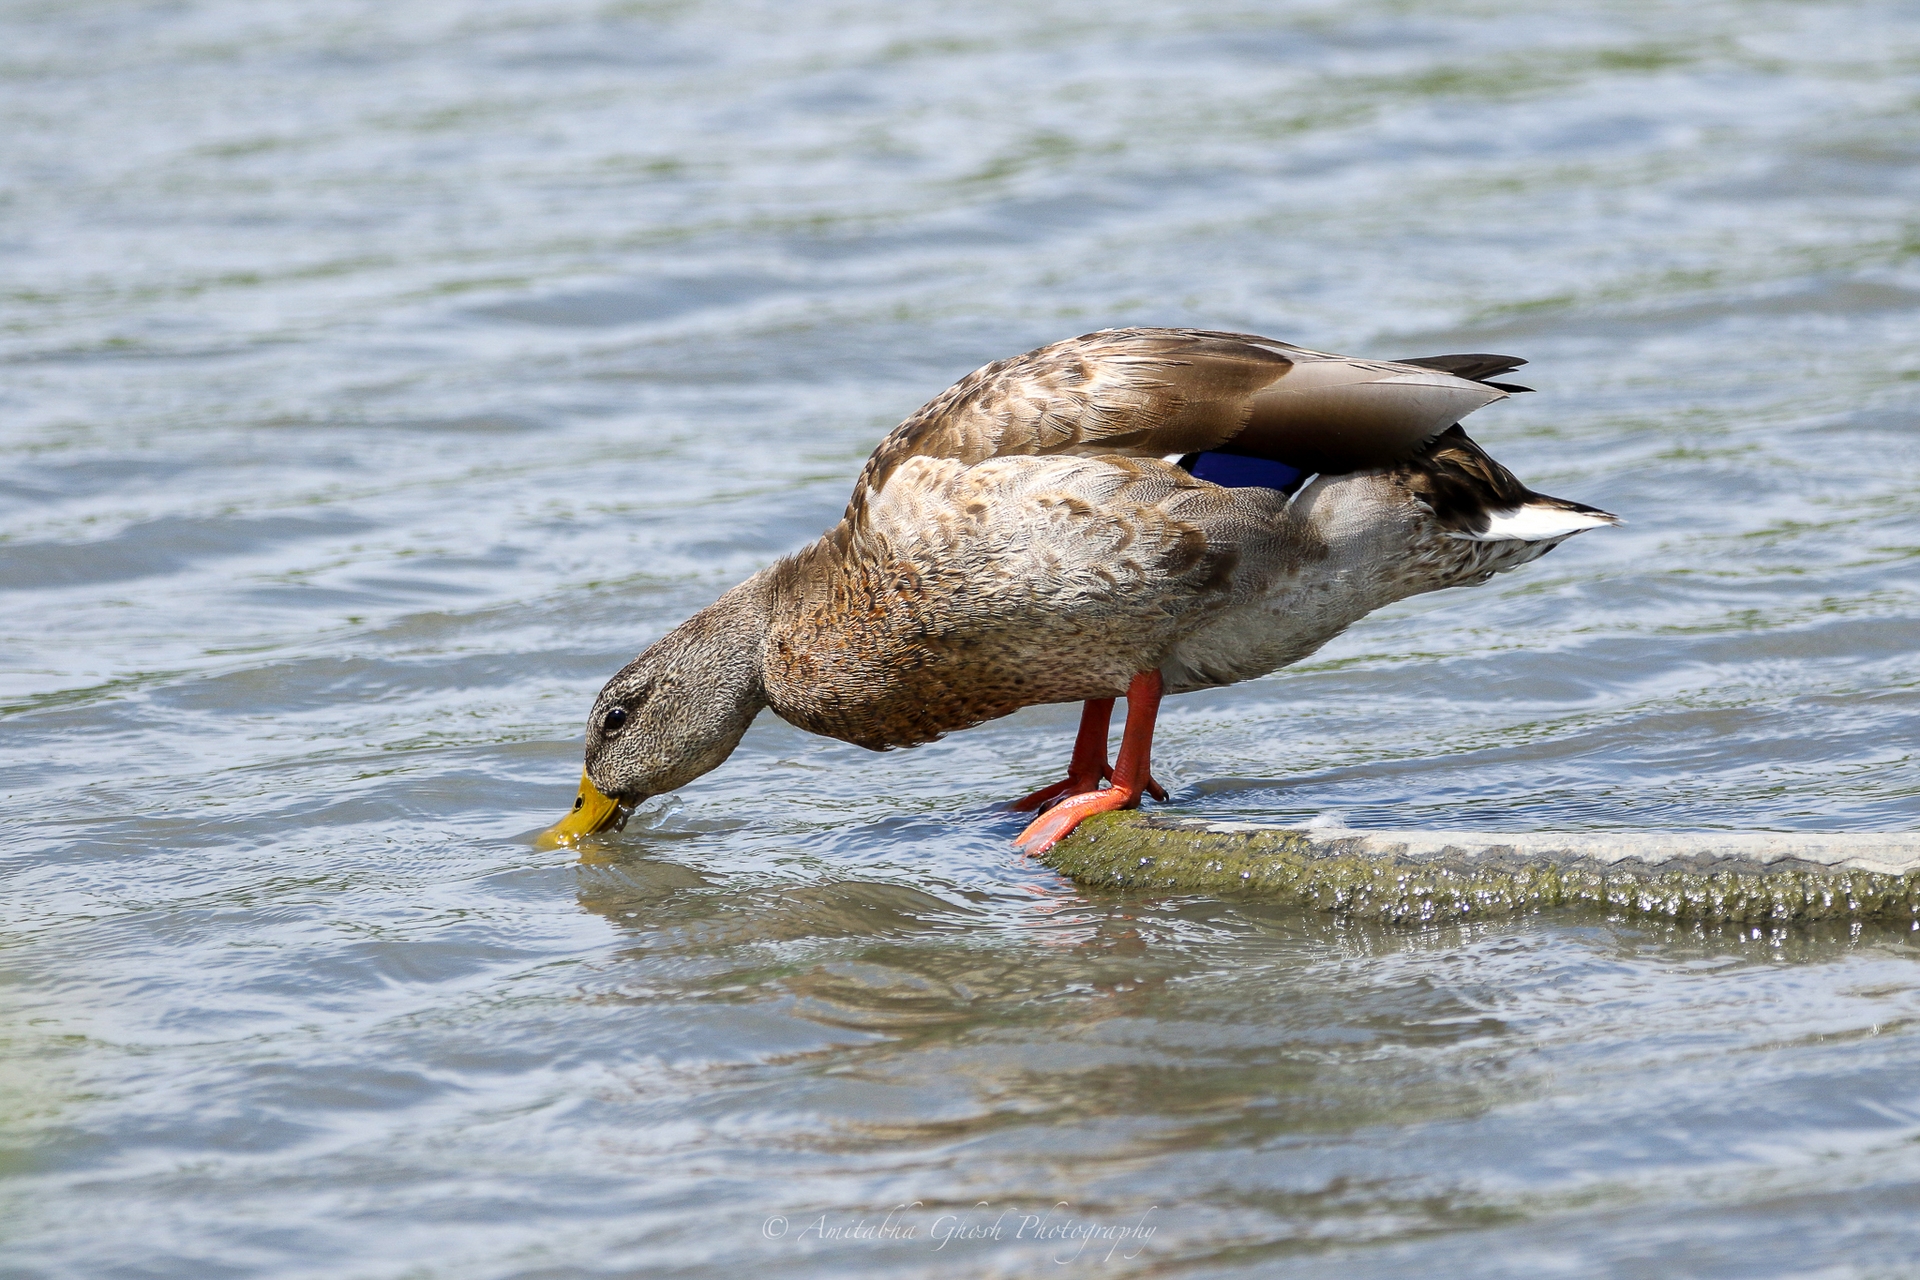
{"points": [[1023, 539], [964, 592], [1020, 540], [1168, 392]]}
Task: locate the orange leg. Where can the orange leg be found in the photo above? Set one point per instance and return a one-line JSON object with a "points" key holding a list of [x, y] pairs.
{"points": [[1089, 764], [1131, 778]]}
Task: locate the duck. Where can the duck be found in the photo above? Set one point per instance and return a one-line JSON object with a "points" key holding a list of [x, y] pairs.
{"points": [[1136, 512]]}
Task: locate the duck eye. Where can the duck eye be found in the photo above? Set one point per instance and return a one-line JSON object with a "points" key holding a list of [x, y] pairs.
{"points": [[612, 721]]}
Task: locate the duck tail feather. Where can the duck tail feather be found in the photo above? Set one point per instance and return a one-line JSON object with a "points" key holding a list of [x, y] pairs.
{"points": [[1476, 499], [1539, 519]]}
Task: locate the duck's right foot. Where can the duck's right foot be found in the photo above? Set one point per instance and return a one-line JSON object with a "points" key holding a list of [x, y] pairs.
{"points": [[1131, 776], [1053, 826], [1067, 786]]}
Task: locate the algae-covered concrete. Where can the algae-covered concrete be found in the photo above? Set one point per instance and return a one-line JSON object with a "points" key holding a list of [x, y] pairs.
{"points": [[1736, 878]]}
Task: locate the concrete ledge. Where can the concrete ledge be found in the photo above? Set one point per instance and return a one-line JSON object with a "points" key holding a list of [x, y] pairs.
{"points": [[1411, 876]]}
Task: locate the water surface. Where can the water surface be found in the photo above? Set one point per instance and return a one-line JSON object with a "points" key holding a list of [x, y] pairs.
{"points": [[376, 379]]}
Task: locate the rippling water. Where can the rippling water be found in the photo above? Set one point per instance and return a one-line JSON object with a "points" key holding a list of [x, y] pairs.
{"points": [[377, 378]]}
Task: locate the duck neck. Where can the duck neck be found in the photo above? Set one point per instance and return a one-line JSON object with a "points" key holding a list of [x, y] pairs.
{"points": [[719, 652]]}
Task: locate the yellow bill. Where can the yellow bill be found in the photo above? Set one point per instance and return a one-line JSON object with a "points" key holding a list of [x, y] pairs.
{"points": [[591, 812]]}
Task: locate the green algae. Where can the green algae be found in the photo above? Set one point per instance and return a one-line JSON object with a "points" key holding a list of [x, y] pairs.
{"points": [[1322, 871]]}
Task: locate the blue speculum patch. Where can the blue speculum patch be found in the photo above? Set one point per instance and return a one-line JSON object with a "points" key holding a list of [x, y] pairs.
{"points": [[1238, 471]]}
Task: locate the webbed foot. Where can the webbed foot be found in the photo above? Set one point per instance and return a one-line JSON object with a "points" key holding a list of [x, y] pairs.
{"points": [[1131, 776], [1051, 827]]}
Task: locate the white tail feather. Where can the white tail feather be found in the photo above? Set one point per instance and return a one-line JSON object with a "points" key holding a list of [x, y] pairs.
{"points": [[1536, 523]]}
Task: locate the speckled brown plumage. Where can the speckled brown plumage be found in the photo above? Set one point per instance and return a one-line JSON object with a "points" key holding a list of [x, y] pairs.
{"points": [[963, 592], [1161, 392], [1030, 536]]}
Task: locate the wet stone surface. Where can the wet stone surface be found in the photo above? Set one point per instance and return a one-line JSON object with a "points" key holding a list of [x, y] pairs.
{"points": [[1421, 877]]}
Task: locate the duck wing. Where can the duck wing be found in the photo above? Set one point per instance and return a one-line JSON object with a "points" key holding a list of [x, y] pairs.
{"points": [[1174, 392], [1478, 367]]}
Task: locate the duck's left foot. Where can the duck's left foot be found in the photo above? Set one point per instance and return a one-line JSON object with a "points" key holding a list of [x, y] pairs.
{"points": [[1051, 827], [1089, 764], [1067, 786], [1045, 797]]}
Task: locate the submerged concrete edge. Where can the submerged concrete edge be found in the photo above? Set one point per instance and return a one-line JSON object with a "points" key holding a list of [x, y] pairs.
{"points": [[1415, 876]]}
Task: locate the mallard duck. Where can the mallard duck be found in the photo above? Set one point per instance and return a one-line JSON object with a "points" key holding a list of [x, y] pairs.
{"points": [[1134, 512]]}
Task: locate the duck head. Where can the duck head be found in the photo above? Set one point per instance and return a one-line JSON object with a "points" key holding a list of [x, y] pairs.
{"points": [[672, 714]]}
